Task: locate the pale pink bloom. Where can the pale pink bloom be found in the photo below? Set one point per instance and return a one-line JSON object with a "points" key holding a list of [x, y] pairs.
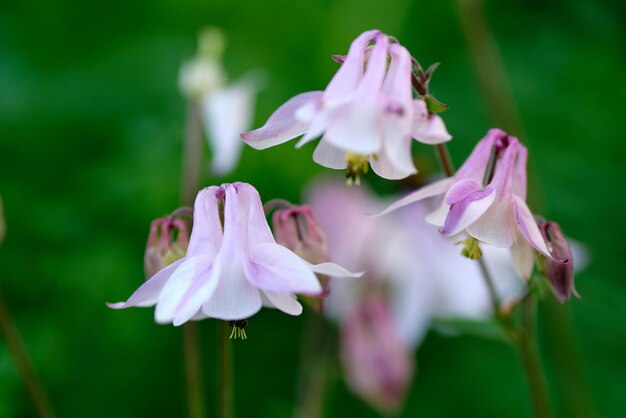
{"points": [[377, 365], [232, 269], [495, 213], [367, 110]]}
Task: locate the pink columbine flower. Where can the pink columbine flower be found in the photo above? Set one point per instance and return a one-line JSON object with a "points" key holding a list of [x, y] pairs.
{"points": [[486, 199], [231, 269], [366, 114]]}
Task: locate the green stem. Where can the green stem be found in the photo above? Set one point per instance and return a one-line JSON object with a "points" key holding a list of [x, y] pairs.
{"points": [[24, 364], [192, 157], [225, 372], [527, 346], [445, 161]]}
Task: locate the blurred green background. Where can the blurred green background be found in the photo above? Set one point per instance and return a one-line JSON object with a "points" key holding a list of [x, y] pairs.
{"points": [[91, 123]]}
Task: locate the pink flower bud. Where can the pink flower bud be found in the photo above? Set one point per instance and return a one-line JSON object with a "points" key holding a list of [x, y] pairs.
{"points": [[559, 273], [167, 243], [378, 366]]}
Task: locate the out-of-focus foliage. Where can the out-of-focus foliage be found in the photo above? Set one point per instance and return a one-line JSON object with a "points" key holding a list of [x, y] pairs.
{"points": [[91, 124]]}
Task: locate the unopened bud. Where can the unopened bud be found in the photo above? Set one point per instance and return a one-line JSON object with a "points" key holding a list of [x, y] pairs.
{"points": [[167, 243], [378, 366], [297, 229], [559, 273]]}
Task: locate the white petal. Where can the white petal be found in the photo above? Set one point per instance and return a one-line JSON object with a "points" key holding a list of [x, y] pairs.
{"points": [[523, 257], [439, 215], [274, 267], [332, 270], [394, 162], [433, 131], [148, 293], [206, 234], [496, 226], [283, 124], [433, 189], [282, 301], [528, 226], [329, 156]]}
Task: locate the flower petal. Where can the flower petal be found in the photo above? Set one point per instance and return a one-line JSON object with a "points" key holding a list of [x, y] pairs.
{"points": [[329, 156], [283, 301], [225, 114], [434, 131], [394, 162], [206, 234], [523, 257], [467, 210], [332, 270], [250, 210], [528, 227], [519, 173], [433, 189], [283, 124], [193, 275], [496, 226], [148, 293], [274, 267]]}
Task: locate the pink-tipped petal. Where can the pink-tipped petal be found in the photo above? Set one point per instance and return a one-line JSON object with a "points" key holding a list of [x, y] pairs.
{"points": [[329, 156], [206, 234], [462, 190], [285, 302], [467, 210], [528, 227], [333, 270], [257, 230], [283, 124], [434, 131], [433, 189], [274, 267], [148, 293], [475, 165], [519, 173]]}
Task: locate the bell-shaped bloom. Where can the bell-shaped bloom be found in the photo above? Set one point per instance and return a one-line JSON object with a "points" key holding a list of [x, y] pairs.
{"points": [[225, 109], [560, 275], [231, 269], [377, 365], [486, 198], [367, 113]]}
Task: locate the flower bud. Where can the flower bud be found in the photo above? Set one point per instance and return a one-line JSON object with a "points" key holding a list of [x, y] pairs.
{"points": [[297, 229], [559, 273], [379, 367], [167, 243]]}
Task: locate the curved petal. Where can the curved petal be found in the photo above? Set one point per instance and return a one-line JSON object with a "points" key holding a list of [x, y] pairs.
{"points": [[193, 275], [528, 227], [394, 162], [433, 189], [496, 226], [274, 267], [439, 215], [148, 293], [467, 210], [283, 124], [285, 302], [433, 132], [332, 270], [206, 234], [250, 210], [523, 257], [329, 156], [476, 164], [519, 173], [462, 190]]}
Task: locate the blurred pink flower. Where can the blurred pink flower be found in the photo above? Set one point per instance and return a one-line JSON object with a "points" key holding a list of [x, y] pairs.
{"points": [[230, 269], [366, 114], [496, 212], [560, 275]]}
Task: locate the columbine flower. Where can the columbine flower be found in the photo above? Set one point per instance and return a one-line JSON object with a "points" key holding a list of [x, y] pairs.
{"points": [[231, 268], [486, 199], [225, 110], [560, 275], [367, 114]]}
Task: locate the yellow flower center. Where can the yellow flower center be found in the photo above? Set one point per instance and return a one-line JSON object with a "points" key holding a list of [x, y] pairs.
{"points": [[471, 249], [358, 165]]}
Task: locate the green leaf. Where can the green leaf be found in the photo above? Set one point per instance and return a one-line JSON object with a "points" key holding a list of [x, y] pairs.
{"points": [[435, 106]]}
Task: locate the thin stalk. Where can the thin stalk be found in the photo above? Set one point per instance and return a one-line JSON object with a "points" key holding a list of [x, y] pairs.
{"points": [[445, 161], [527, 346], [192, 157], [24, 365], [225, 372]]}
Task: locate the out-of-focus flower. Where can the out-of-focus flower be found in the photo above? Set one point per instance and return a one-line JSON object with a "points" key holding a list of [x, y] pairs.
{"points": [[167, 243], [486, 199], [560, 275], [2, 224], [411, 265], [226, 110], [232, 268], [366, 115], [378, 366]]}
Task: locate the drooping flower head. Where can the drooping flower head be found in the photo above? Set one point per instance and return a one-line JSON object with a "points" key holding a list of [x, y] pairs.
{"points": [[232, 267], [486, 199], [366, 115], [560, 275]]}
